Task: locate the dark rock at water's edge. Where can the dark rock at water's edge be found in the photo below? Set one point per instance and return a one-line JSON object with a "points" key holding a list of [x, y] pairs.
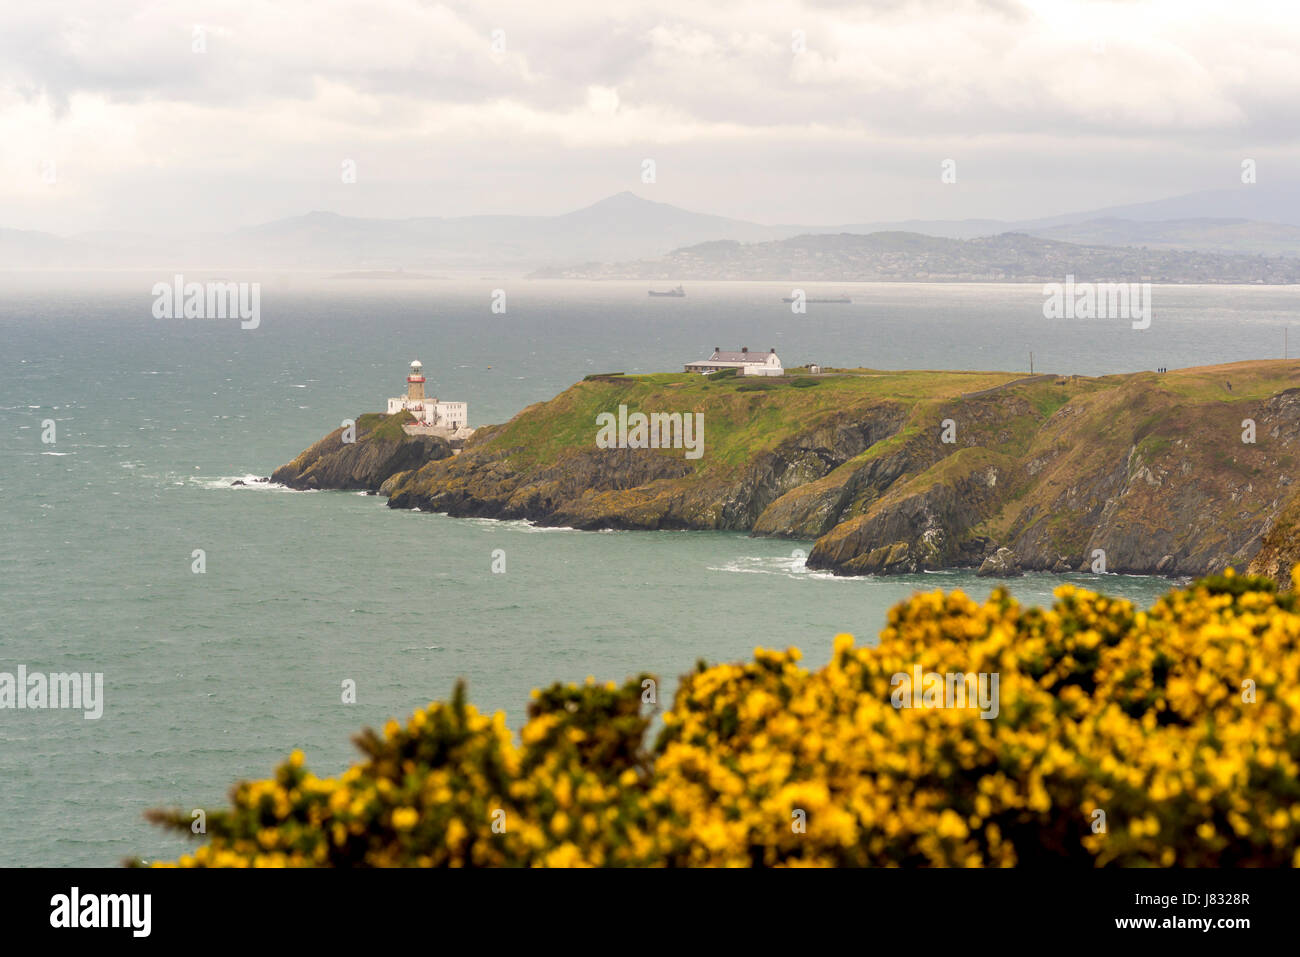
{"points": [[381, 450]]}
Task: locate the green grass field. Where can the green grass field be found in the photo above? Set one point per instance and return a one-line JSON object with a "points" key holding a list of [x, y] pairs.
{"points": [[739, 421]]}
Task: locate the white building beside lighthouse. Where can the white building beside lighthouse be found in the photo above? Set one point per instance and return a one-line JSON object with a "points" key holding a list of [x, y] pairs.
{"points": [[450, 419]]}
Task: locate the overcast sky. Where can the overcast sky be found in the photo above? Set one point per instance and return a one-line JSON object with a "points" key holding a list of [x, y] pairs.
{"points": [[1044, 106]]}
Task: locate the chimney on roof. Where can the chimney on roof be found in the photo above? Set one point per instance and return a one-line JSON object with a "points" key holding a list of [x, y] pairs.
{"points": [[744, 348], [772, 350], [717, 348]]}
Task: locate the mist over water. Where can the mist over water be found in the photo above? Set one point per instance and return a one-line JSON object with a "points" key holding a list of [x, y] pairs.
{"points": [[213, 677]]}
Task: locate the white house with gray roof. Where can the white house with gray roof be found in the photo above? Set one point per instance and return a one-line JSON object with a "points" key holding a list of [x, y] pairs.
{"points": [[744, 362]]}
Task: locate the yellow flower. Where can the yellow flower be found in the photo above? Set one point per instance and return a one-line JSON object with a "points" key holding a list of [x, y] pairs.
{"points": [[405, 818], [1140, 715]]}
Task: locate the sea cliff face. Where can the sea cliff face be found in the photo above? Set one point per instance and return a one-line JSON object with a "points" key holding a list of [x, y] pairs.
{"points": [[907, 471], [380, 450], [1280, 551]]}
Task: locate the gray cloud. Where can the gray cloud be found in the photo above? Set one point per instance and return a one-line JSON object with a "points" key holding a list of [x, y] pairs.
{"points": [[1045, 106]]}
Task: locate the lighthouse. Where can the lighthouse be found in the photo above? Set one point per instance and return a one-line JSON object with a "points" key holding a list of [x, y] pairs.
{"points": [[449, 419], [415, 383]]}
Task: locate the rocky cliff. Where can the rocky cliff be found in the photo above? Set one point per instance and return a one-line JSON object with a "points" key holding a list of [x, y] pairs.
{"points": [[379, 451], [1280, 551], [1181, 473]]}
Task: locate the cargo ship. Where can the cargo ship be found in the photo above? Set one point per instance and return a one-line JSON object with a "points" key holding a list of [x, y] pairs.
{"points": [[677, 293]]}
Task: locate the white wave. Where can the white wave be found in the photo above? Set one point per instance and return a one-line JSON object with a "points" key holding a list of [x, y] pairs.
{"points": [[250, 481], [740, 571], [789, 565], [831, 577], [518, 525], [58, 453]]}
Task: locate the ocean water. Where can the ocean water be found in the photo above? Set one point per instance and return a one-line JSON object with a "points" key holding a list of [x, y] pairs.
{"points": [[216, 676]]}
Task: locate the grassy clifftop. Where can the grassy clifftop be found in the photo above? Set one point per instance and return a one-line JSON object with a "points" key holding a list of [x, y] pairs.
{"points": [[744, 417], [1148, 472], [902, 471], [1182, 473], [762, 438]]}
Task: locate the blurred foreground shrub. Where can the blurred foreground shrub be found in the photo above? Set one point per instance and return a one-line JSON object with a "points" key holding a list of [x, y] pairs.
{"points": [[1168, 737]]}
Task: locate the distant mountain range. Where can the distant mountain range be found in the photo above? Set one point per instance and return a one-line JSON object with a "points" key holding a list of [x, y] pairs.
{"points": [[1212, 235], [625, 228], [912, 257]]}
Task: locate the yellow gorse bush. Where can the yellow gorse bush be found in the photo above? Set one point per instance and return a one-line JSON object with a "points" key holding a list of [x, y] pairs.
{"points": [[1122, 737]]}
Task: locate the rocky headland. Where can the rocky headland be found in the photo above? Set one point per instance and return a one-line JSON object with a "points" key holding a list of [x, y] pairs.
{"points": [[1181, 473], [379, 450]]}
